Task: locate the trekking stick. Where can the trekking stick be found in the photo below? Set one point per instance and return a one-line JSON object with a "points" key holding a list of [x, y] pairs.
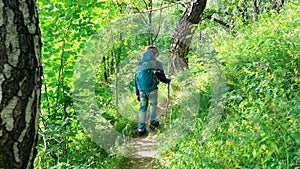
{"points": [[168, 92], [168, 99]]}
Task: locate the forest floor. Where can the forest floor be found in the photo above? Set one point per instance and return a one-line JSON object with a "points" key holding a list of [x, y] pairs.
{"points": [[141, 163], [144, 154]]}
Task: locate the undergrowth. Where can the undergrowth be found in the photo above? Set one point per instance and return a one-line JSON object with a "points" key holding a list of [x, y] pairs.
{"points": [[260, 123]]}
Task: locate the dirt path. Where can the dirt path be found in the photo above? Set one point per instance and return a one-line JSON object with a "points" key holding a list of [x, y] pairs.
{"points": [[143, 152], [141, 163], [144, 149]]}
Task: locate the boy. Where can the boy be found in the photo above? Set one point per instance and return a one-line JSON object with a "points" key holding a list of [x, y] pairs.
{"points": [[146, 87]]}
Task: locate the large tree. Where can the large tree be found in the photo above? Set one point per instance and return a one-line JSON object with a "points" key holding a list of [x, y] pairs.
{"points": [[20, 82], [182, 35]]}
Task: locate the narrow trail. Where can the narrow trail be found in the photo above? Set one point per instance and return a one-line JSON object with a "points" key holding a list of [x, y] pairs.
{"points": [[144, 156], [144, 149], [141, 163]]}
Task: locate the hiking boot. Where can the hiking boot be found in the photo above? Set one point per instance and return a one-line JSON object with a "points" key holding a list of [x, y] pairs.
{"points": [[141, 133], [154, 124]]}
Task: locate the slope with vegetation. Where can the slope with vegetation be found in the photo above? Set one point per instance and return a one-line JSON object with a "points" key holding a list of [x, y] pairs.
{"points": [[260, 123], [244, 81]]}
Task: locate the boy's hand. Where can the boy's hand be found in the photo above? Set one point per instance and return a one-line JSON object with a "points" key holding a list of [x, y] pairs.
{"points": [[138, 97], [169, 80]]}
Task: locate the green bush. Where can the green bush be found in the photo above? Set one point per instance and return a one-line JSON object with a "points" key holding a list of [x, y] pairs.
{"points": [[260, 127]]}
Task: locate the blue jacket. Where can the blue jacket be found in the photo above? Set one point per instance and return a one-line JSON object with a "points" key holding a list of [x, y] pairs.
{"points": [[148, 56]]}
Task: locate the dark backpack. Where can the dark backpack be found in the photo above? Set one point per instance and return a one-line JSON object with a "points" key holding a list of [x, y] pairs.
{"points": [[145, 76]]}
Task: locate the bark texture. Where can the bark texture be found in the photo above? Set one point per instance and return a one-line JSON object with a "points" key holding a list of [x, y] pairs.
{"points": [[182, 36], [20, 82]]}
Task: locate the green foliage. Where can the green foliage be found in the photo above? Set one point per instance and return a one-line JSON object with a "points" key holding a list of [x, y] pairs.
{"points": [[65, 27], [260, 123], [238, 13], [95, 29], [260, 127]]}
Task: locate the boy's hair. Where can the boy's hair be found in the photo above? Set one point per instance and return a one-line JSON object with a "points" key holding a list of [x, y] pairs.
{"points": [[154, 50]]}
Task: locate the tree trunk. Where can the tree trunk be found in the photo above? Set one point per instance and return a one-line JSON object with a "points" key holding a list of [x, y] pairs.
{"points": [[255, 9], [277, 4], [20, 83], [105, 73], [150, 33], [182, 36]]}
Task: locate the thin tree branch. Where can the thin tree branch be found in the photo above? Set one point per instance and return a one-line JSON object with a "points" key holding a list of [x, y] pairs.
{"points": [[46, 93], [138, 10], [210, 17], [184, 4], [159, 25], [61, 68], [146, 4]]}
